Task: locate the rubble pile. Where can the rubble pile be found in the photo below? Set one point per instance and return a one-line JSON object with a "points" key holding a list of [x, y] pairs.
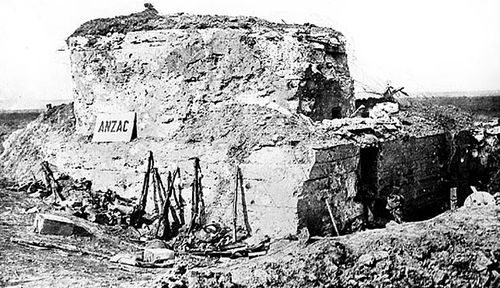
{"points": [[446, 251], [75, 197]]}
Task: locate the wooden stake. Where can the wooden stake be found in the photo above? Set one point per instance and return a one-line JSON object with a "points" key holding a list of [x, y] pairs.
{"points": [[139, 209], [52, 245], [235, 204], [331, 216], [51, 182], [145, 185], [199, 190], [157, 209], [166, 223], [180, 199], [194, 203], [161, 190], [195, 197], [244, 204]]}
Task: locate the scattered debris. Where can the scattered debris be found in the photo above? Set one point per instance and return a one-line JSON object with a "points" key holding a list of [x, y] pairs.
{"points": [[66, 247], [51, 183], [58, 225], [125, 258], [157, 255]]}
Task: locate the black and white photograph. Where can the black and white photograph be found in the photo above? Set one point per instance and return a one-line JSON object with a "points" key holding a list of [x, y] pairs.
{"points": [[250, 144]]}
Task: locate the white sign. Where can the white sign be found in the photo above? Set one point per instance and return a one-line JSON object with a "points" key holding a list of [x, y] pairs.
{"points": [[119, 127]]}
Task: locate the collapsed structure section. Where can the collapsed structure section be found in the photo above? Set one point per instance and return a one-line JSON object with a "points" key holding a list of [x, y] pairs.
{"points": [[332, 181]]}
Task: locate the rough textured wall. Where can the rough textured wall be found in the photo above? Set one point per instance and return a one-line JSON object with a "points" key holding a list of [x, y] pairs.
{"points": [[178, 68], [332, 178], [225, 89], [272, 174], [415, 166]]}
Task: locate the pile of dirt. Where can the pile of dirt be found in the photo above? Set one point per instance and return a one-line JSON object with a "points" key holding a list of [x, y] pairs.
{"points": [[27, 147], [454, 249], [12, 121]]}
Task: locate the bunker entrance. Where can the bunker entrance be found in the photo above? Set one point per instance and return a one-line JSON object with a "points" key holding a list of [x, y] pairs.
{"points": [[368, 181]]}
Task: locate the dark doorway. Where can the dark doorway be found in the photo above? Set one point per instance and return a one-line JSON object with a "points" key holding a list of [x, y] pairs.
{"points": [[337, 112], [368, 181]]}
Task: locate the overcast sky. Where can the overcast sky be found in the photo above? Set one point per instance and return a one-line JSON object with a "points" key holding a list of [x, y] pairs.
{"points": [[425, 45]]}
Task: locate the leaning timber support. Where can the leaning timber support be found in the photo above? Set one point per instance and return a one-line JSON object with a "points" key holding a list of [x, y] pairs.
{"points": [[165, 219], [51, 182], [244, 204], [235, 204], [156, 198], [331, 217], [194, 204], [161, 191], [180, 200], [139, 208], [199, 191], [197, 202], [239, 189]]}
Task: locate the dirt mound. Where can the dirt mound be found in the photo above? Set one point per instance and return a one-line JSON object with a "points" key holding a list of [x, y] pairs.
{"points": [[11, 121], [27, 147], [451, 250]]}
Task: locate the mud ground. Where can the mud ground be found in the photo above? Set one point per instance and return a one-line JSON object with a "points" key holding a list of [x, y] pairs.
{"points": [[450, 250], [23, 266]]}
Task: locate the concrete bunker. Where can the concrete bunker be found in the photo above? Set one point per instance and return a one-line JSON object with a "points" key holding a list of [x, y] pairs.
{"points": [[229, 89], [361, 182]]}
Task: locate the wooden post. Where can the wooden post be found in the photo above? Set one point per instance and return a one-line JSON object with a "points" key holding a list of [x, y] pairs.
{"points": [[199, 191], [173, 187], [51, 182], [235, 205], [180, 199], [156, 199], [145, 184], [453, 198], [166, 223], [157, 177], [194, 199], [244, 204], [331, 217], [139, 209], [161, 191]]}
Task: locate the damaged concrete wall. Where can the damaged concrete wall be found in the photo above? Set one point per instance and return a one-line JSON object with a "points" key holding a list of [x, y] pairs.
{"points": [[229, 95], [332, 178], [225, 89], [414, 168], [272, 174], [231, 91], [177, 70]]}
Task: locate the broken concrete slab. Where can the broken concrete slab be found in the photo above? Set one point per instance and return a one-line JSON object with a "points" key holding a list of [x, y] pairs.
{"points": [[157, 255], [57, 225], [124, 258]]}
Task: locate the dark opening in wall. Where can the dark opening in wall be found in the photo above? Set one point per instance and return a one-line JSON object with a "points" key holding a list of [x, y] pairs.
{"points": [[336, 112], [368, 180]]}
